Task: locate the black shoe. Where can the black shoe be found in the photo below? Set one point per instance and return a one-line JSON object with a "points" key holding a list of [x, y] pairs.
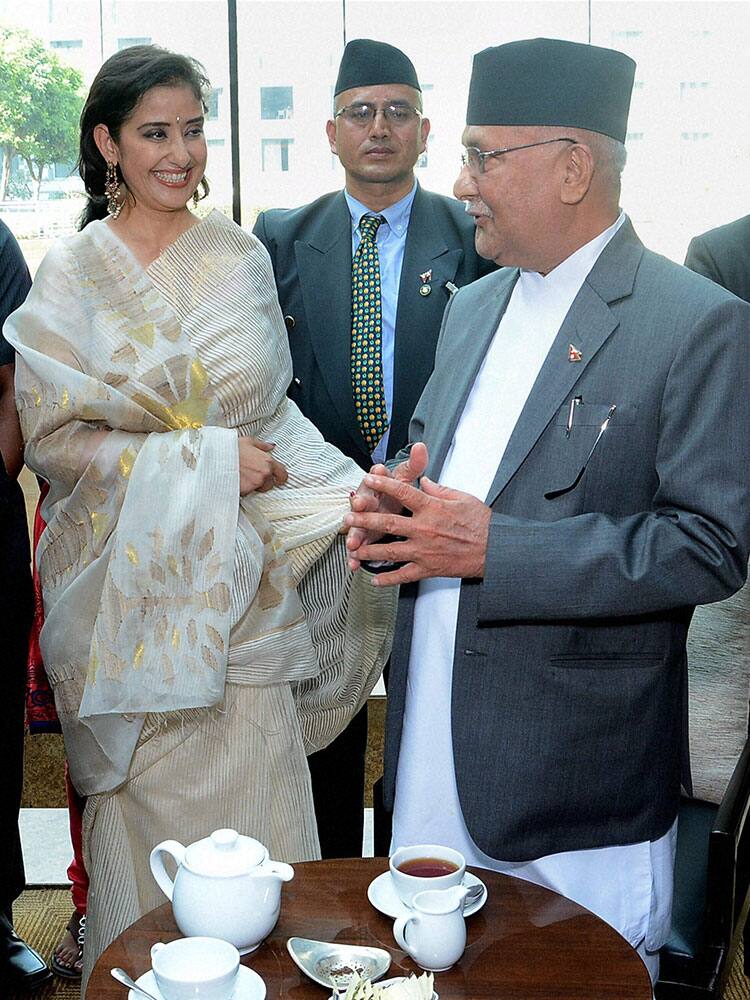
{"points": [[20, 966]]}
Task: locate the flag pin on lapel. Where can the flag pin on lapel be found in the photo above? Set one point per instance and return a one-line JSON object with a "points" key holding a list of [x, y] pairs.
{"points": [[425, 278], [574, 354]]}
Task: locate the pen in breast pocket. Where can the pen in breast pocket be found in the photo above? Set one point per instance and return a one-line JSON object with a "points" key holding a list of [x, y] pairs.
{"points": [[575, 401]]}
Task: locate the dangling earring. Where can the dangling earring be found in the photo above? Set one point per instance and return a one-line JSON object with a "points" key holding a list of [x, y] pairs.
{"points": [[115, 199], [196, 197]]}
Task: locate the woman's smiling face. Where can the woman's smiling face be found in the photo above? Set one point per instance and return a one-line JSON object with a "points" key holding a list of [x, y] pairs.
{"points": [[161, 149]]}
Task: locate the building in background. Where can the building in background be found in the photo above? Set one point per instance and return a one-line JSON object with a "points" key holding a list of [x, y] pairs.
{"points": [[689, 140]]}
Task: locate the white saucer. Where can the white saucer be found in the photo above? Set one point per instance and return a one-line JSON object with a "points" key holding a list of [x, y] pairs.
{"points": [[249, 986], [383, 897]]}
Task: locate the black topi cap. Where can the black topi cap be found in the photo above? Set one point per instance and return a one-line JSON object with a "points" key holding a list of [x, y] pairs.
{"points": [[546, 81], [366, 63]]}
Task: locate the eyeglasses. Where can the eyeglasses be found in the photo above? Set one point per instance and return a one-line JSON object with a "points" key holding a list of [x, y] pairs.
{"points": [[474, 158], [363, 114]]}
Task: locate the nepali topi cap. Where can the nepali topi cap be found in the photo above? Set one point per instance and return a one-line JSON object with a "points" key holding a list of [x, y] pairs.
{"points": [[547, 81], [366, 63]]}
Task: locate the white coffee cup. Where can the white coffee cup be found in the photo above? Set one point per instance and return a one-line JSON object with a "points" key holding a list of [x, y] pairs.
{"points": [[434, 931], [195, 968], [408, 885]]}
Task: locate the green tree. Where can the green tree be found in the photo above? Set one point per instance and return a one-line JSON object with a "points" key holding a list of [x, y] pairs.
{"points": [[40, 102]]}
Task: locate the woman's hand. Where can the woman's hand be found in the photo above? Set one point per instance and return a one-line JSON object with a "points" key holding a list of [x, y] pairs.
{"points": [[259, 471]]}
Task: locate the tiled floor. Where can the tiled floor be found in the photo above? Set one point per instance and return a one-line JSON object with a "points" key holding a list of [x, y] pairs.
{"points": [[47, 851]]}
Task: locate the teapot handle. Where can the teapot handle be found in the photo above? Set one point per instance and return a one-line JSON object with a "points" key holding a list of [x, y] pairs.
{"points": [[156, 860]]}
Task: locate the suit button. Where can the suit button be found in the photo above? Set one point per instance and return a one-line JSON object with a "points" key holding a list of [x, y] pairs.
{"points": [[290, 322]]}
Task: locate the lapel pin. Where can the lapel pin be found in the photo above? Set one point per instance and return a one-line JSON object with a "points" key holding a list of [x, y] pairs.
{"points": [[574, 354], [425, 278]]}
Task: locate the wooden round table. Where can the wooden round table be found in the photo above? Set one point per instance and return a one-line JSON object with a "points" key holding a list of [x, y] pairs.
{"points": [[526, 942]]}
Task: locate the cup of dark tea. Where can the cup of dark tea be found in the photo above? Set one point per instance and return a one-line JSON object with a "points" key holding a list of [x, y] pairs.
{"points": [[425, 866]]}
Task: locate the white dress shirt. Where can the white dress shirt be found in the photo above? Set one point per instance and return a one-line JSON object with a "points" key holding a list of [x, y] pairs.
{"points": [[628, 886]]}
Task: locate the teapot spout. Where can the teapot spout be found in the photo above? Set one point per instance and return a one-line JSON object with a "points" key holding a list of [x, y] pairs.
{"points": [[284, 871]]}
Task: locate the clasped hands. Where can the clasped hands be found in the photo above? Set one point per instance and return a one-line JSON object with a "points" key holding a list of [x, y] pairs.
{"points": [[446, 534], [259, 471]]}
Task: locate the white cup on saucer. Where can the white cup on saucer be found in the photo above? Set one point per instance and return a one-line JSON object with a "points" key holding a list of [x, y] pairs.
{"points": [[425, 866], [195, 968]]}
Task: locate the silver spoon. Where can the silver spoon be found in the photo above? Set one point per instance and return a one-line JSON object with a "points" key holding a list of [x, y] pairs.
{"points": [[122, 977]]}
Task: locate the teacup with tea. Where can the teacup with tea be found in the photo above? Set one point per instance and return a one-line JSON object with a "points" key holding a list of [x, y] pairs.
{"points": [[425, 866]]}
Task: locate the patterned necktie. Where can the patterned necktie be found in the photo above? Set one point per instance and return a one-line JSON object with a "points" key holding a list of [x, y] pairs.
{"points": [[367, 365]]}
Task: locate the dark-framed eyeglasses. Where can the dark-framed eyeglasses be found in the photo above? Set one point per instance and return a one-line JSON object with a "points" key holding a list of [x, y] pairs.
{"points": [[364, 114], [475, 158]]}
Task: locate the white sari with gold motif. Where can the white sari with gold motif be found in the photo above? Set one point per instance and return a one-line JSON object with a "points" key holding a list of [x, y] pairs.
{"points": [[197, 642]]}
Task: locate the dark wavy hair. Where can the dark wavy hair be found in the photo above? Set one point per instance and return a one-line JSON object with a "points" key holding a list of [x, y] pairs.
{"points": [[117, 88]]}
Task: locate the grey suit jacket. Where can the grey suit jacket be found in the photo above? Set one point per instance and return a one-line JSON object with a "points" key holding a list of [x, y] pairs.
{"points": [[311, 253], [723, 255], [569, 662]]}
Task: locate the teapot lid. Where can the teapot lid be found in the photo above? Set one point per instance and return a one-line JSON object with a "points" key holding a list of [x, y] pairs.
{"points": [[224, 853]]}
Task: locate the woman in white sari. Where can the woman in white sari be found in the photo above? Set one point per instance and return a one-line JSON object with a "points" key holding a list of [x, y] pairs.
{"points": [[202, 629]]}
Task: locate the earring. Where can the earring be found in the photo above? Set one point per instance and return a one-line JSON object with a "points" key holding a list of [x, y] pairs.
{"points": [[112, 190], [196, 197]]}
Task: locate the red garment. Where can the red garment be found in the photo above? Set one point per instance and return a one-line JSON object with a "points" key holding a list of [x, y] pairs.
{"points": [[77, 873], [41, 714]]}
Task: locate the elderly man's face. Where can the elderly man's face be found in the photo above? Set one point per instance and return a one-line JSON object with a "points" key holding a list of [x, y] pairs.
{"points": [[515, 201]]}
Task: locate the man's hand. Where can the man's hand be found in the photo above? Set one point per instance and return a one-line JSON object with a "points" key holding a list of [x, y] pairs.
{"points": [[368, 499], [259, 472], [445, 536]]}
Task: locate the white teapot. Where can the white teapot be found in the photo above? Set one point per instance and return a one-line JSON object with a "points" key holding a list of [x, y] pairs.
{"points": [[225, 887]]}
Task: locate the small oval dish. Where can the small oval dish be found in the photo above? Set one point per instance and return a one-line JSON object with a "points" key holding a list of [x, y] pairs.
{"points": [[333, 965]]}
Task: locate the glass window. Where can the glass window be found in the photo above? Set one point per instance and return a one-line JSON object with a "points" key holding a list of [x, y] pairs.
{"points": [[213, 104], [127, 43], [275, 154], [81, 34], [689, 132], [276, 102], [64, 169]]}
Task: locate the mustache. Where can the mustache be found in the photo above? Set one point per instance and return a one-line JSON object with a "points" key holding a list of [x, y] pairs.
{"points": [[477, 208]]}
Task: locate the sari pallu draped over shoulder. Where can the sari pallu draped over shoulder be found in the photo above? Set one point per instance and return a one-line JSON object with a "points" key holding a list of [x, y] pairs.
{"points": [[132, 387]]}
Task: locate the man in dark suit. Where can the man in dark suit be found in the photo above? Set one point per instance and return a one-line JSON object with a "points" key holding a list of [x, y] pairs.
{"points": [[21, 968], [723, 255], [585, 435], [425, 244]]}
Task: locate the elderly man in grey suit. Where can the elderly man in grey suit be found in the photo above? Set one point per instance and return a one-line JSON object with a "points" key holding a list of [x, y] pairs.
{"points": [[585, 438], [423, 247]]}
